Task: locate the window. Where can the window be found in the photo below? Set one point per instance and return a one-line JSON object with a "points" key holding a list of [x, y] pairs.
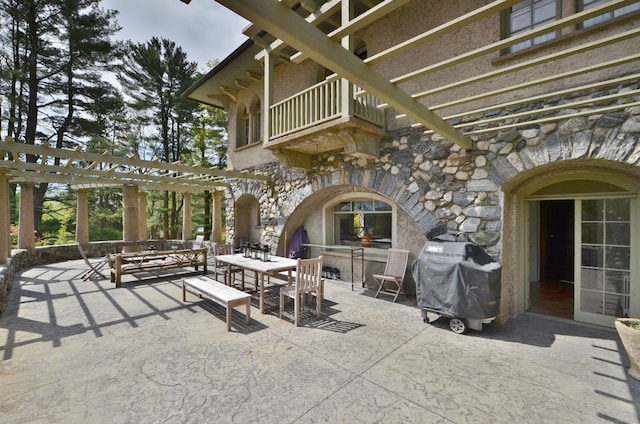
{"points": [[588, 4], [354, 219], [530, 14], [250, 125], [244, 134], [256, 123]]}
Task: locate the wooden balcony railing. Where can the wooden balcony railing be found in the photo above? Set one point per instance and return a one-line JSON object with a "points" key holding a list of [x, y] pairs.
{"points": [[317, 104]]}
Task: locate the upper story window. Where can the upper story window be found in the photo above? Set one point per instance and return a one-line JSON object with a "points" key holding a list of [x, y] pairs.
{"points": [[249, 125], [355, 219], [243, 138], [256, 123], [588, 4], [530, 14]]}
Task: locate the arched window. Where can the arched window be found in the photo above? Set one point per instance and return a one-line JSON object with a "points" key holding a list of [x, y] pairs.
{"points": [[250, 124], [243, 128], [256, 122]]}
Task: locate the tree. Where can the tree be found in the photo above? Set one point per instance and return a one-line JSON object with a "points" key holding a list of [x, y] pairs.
{"points": [[211, 147], [154, 74], [58, 49]]}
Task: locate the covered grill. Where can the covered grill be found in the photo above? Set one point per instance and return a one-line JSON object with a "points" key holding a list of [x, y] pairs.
{"points": [[458, 280]]}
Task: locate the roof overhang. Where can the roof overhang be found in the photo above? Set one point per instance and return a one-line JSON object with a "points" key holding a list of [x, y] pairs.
{"points": [[239, 68]]}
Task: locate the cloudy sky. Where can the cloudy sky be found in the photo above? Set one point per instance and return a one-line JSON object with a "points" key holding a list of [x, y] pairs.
{"points": [[204, 29]]}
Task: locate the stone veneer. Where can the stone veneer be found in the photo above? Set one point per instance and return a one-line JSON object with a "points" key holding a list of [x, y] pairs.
{"points": [[437, 182], [441, 185]]}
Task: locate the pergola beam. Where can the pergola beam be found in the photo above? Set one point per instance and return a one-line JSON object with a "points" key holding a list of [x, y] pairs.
{"points": [[499, 45], [315, 18], [88, 157], [286, 25], [40, 173], [356, 24]]}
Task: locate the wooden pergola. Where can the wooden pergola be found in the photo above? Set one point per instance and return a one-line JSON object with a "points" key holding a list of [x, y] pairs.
{"points": [[84, 171], [295, 31]]}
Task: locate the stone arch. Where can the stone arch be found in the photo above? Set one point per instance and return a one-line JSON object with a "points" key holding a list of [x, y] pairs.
{"points": [[247, 222], [310, 214], [515, 235], [393, 187]]}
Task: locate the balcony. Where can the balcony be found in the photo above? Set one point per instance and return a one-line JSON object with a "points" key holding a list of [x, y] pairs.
{"points": [[317, 120]]}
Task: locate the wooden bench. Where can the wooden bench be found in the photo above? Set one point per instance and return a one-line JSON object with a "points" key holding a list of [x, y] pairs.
{"points": [[135, 262], [218, 292]]}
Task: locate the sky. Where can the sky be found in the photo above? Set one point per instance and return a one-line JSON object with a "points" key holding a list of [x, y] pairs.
{"points": [[204, 29]]}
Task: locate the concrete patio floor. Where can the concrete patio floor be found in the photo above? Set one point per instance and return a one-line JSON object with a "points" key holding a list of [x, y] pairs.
{"points": [[73, 351]]}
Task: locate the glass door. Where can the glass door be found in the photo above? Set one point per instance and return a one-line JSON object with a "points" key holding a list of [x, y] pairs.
{"points": [[603, 266]]}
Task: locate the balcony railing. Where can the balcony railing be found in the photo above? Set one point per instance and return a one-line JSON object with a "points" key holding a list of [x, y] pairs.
{"points": [[317, 104]]}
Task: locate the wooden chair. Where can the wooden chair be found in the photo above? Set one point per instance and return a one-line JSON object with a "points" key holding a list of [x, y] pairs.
{"points": [[308, 281], [393, 271], [198, 242], [223, 268], [94, 267]]}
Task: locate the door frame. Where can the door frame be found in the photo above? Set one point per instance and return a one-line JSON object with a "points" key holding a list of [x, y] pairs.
{"points": [[516, 218], [532, 249]]}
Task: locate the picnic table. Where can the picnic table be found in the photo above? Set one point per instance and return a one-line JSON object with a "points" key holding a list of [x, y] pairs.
{"points": [[272, 267], [155, 260]]}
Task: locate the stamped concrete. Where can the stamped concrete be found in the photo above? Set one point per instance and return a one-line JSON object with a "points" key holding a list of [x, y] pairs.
{"points": [[73, 351]]}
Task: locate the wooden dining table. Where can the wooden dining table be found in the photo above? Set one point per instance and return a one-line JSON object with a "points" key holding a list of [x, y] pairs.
{"points": [[268, 268]]}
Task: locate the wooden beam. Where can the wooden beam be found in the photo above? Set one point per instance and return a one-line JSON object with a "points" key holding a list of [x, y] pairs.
{"points": [[443, 29], [554, 118], [229, 92], [603, 42], [296, 32], [380, 10], [31, 149], [254, 76], [316, 18], [499, 45]]}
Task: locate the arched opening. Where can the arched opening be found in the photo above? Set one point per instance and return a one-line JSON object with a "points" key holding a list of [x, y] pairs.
{"points": [[387, 222], [574, 228], [243, 128], [247, 219]]}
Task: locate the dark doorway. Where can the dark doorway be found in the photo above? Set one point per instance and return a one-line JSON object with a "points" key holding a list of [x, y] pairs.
{"points": [[556, 240], [553, 294]]}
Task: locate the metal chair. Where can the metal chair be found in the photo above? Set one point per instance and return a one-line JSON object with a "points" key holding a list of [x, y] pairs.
{"points": [[223, 268], [393, 271], [308, 281]]}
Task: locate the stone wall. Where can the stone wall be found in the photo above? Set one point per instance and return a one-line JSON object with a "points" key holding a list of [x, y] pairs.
{"points": [[442, 186]]}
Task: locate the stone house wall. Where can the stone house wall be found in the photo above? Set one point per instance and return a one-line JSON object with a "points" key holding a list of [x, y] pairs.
{"points": [[435, 182]]}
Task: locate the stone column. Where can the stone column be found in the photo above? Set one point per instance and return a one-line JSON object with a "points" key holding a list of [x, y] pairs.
{"points": [[142, 215], [130, 215], [26, 235], [187, 230], [216, 219], [82, 215], [5, 225]]}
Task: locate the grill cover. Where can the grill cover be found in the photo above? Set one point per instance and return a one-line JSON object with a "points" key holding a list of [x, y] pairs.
{"points": [[457, 279]]}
